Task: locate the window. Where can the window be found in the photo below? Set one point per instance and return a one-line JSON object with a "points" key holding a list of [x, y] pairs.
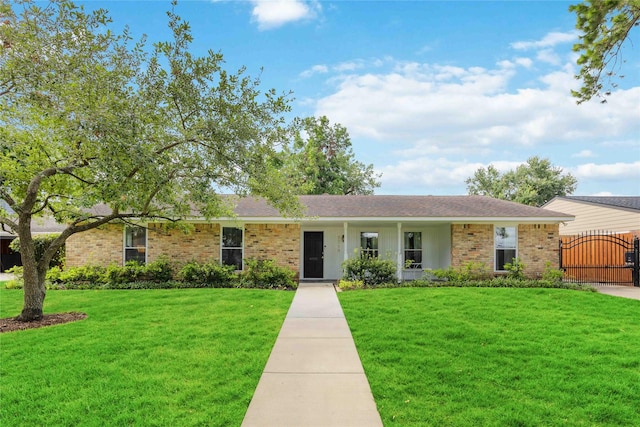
{"points": [[232, 247], [505, 241], [135, 244], [412, 249], [369, 244]]}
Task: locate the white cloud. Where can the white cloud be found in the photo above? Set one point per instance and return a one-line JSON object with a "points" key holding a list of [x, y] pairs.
{"points": [[316, 69], [275, 13], [548, 56], [584, 154], [609, 171], [550, 40], [470, 107]]}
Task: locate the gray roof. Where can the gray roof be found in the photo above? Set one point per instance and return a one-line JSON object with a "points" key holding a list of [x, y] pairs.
{"points": [[626, 202], [328, 206]]}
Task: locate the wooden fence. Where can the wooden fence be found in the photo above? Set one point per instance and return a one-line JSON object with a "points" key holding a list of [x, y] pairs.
{"points": [[597, 257]]}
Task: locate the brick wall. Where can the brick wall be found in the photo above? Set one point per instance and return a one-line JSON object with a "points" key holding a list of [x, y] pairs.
{"points": [[101, 246], [201, 243], [472, 243], [274, 241], [537, 244]]}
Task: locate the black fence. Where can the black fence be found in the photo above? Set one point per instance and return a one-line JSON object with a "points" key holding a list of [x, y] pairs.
{"points": [[601, 257]]}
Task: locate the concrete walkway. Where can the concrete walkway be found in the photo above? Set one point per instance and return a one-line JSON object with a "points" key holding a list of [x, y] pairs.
{"points": [[620, 291], [313, 376]]}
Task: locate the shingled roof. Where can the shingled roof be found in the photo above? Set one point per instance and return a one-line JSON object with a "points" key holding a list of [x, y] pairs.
{"points": [[625, 202], [329, 206]]}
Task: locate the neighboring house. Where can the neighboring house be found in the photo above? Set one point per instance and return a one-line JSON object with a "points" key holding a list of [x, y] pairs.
{"points": [[593, 213], [9, 258], [422, 232]]}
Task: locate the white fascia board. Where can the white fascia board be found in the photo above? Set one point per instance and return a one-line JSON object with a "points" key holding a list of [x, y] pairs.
{"points": [[453, 220]]}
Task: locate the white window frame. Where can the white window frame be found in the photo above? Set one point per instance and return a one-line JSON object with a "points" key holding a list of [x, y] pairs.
{"points": [[370, 251], [125, 247], [223, 247], [496, 248], [405, 250]]}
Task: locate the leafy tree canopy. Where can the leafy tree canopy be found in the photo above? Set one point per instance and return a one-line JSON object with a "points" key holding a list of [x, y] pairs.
{"points": [[87, 118], [604, 26], [321, 161], [533, 183]]}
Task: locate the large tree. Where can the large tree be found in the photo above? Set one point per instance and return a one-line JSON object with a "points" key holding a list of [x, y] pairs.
{"points": [[88, 119], [321, 161], [604, 27], [533, 183]]}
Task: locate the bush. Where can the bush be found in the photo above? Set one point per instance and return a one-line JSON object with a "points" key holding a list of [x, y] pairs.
{"points": [[371, 271], [468, 271], [515, 269], [551, 274], [347, 285], [41, 243], [208, 275], [266, 274]]}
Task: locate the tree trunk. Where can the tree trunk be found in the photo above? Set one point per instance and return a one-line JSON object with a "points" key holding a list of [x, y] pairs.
{"points": [[33, 275]]}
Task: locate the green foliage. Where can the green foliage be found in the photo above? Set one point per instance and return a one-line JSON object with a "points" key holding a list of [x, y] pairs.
{"points": [[16, 282], [266, 274], [324, 162], [533, 183], [87, 118], [468, 271], [515, 269], [371, 271], [347, 285], [604, 26], [552, 274], [41, 243], [210, 274]]}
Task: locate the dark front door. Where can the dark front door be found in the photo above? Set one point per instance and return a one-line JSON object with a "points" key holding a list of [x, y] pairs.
{"points": [[313, 254]]}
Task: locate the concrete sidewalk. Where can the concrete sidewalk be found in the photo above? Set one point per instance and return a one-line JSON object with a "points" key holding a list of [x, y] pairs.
{"points": [[313, 376]]}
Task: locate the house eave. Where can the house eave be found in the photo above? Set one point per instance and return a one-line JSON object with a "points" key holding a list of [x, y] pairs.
{"points": [[435, 220]]}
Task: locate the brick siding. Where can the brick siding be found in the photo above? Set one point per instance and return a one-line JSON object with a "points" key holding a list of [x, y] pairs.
{"points": [[537, 244], [99, 246], [274, 241], [201, 243], [472, 243], [104, 246]]}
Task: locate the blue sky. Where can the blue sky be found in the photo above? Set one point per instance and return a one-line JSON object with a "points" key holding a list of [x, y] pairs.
{"points": [[429, 90]]}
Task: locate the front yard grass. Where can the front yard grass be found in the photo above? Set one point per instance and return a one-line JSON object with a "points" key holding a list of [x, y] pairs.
{"points": [[148, 357], [498, 357]]}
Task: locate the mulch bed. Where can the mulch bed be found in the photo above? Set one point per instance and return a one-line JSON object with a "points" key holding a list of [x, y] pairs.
{"points": [[10, 324]]}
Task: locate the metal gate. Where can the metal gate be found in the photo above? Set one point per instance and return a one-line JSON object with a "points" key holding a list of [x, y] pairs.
{"points": [[601, 257]]}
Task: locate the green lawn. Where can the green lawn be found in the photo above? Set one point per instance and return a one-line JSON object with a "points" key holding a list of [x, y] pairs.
{"points": [[498, 357], [160, 357]]}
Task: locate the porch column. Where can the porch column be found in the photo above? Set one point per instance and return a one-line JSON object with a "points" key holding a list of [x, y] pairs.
{"points": [[399, 262], [345, 231]]}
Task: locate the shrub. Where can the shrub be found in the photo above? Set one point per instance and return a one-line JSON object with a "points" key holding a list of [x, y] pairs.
{"points": [[468, 271], [207, 275], [17, 282], [86, 274], [369, 270], [41, 243], [346, 285], [551, 274], [515, 269], [266, 274]]}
